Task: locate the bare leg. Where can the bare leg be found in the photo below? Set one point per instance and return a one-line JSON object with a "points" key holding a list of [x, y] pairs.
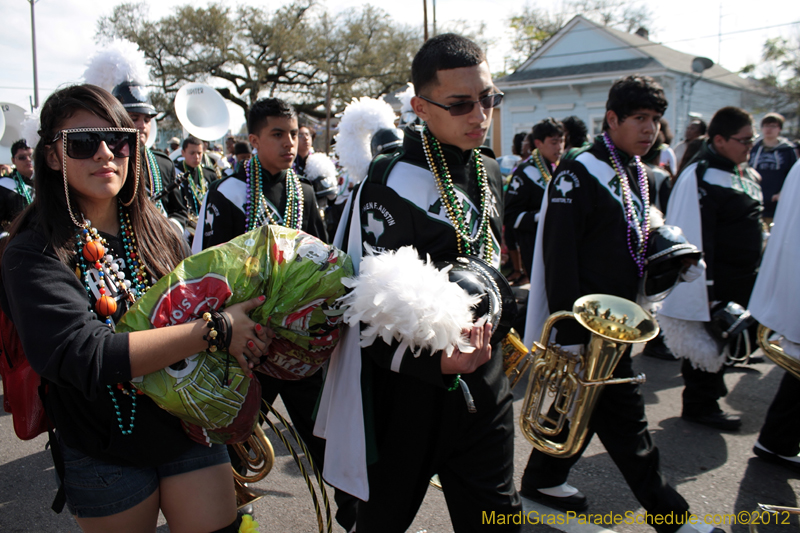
{"points": [[139, 519], [199, 501]]}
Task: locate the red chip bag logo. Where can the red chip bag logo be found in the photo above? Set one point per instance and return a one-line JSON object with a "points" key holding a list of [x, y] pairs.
{"points": [[188, 300]]}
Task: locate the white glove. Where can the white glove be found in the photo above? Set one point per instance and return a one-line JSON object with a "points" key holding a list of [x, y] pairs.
{"points": [[693, 271]]}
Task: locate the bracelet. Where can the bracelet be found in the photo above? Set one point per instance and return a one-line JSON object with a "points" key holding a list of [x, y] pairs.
{"points": [[219, 335]]}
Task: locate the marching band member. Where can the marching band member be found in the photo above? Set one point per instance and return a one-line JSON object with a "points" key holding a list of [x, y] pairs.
{"points": [[524, 196], [158, 169], [90, 245], [16, 190], [441, 193], [266, 190], [717, 201], [592, 239], [774, 304]]}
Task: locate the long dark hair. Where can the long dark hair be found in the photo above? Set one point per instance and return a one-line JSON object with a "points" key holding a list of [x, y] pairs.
{"points": [[159, 243]]}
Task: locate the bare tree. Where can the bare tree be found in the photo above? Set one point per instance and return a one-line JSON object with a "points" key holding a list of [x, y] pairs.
{"points": [[296, 51]]}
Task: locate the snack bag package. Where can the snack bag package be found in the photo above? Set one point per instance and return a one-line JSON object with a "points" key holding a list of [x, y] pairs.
{"points": [[301, 278]]}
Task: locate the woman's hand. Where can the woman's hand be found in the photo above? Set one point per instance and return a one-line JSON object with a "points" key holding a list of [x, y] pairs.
{"points": [[249, 340]]}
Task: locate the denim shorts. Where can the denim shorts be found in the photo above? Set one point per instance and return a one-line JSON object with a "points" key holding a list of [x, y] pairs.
{"points": [[95, 488]]}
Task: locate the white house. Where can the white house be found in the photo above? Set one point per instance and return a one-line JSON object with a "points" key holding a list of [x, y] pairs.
{"points": [[573, 71]]}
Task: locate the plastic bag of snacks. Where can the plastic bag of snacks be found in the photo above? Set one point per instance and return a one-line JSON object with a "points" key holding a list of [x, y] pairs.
{"points": [[301, 278]]}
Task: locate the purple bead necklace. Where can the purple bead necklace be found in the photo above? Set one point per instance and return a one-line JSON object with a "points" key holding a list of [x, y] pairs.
{"points": [[640, 225]]}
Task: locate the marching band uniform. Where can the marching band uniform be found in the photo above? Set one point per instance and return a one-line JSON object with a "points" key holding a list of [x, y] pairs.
{"points": [[419, 425], [223, 216], [582, 249], [16, 192], [774, 304], [523, 201], [159, 173], [719, 209]]}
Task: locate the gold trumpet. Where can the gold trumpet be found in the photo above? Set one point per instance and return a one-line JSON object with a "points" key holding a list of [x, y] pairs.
{"points": [[259, 457], [563, 387], [774, 351]]}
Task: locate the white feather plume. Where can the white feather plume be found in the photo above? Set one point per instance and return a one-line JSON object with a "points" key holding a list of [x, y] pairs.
{"points": [[405, 98], [119, 61], [688, 339], [319, 165], [30, 127], [400, 297], [360, 120]]}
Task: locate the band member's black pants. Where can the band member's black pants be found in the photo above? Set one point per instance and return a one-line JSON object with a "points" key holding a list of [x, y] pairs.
{"points": [[619, 421], [781, 433]]}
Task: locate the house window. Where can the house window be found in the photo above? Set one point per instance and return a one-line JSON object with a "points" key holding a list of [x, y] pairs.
{"points": [[597, 124]]}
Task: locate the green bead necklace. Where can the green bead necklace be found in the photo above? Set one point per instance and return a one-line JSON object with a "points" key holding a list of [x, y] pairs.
{"points": [[467, 244]]}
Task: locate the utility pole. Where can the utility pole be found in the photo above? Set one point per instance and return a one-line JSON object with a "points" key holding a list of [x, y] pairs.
{"points": [[434, 18], [35, 71], [425, 17]]}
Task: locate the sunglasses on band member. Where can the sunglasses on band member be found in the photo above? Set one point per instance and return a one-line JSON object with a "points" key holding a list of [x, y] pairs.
{"points": [[463, 108], [82, 143]]}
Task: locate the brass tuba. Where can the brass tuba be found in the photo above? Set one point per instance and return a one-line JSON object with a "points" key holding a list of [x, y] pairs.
{"points": [[563, 387], [774, 351], [259, 458], [762, 514]]}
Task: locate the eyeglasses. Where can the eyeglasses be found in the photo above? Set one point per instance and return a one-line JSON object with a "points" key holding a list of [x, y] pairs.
{"points": [[462, 108], [746, 142], [82, 143]]}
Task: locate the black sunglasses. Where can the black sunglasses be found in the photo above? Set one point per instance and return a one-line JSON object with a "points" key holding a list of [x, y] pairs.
{"points": [[462, 108], [82, 143]]}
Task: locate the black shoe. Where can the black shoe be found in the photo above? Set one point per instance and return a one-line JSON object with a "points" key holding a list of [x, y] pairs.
{"points": [[719, 420], [577, 502], [774, 458]]}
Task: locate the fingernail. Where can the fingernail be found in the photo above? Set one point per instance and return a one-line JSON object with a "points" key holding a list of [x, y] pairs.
{"points": [[259, 328], [250, 344], [250, 375], [262, 298]]}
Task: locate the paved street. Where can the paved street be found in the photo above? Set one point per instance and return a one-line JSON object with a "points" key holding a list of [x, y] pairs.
{"points": [[715, 472]]}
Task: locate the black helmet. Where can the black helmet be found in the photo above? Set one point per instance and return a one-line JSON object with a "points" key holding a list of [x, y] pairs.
{"points": [[476, 276], [325, 187], [386, 140], [134, 98], [667, 247]]}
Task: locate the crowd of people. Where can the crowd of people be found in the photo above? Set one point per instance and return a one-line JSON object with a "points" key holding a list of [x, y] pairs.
{"points": [[92, 218]]}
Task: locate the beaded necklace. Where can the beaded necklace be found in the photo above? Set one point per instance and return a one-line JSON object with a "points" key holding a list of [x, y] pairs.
{"points": [[198, 191], [542, 165], [22, 187], [93, 249], [257, 211], [641, 225], [467, 244], [156, 185]]}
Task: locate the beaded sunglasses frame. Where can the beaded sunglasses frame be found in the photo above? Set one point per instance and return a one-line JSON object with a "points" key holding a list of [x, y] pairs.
{"points": [[63, 135]]}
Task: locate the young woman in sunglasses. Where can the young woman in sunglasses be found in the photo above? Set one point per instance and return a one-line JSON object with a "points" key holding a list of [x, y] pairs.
{"points": [[88, 246]]}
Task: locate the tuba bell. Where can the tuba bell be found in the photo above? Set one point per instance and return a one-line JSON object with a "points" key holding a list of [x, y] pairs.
{"points": [[563, 387], [259, 458], [202, 111], [773, 350], [13, 116]]}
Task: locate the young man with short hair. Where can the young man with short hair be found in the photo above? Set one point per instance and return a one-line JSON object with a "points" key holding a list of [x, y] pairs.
{"points": [[16, 190], [726, 194], [593, 230], [526, 189], [416, 406], [265, 190], [772, 156], [305, 147]]}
